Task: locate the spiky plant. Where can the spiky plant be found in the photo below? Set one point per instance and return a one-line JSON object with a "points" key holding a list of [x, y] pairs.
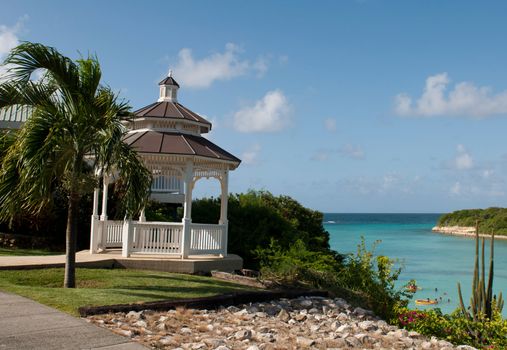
{"points": [[483, 304]]}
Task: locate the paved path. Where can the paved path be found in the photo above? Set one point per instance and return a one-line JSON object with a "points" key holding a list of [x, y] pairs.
{"points": [[25, 324], [41, 261]]}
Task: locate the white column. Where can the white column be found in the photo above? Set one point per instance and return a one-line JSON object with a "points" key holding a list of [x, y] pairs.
{"points": [[95, 236], [224, 199], [187, 210], [105, 180], [127, 233]]}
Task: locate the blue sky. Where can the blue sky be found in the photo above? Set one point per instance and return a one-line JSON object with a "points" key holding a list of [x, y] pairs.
{"points": [[347, 106]]}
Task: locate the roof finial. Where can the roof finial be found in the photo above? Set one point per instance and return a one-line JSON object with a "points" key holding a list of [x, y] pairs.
{"points": [[170, 73]]}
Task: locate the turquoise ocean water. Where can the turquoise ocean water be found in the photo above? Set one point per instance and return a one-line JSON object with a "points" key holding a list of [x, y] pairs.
{"points": [[435, 261]]}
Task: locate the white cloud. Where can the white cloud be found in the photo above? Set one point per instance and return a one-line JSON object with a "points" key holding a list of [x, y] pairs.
{"points": [[351, 151], [9, 40], [463, 160], [455, 189], [465, 99], [251, 156], [201, 73], [269, 114], [320, 156], [330, 124]]}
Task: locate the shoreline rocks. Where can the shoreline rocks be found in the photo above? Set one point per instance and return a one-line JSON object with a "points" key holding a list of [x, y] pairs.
{"points": [[301, 323]]}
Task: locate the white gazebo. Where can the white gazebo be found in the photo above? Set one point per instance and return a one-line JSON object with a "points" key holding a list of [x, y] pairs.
{"points": [[168, 137]]}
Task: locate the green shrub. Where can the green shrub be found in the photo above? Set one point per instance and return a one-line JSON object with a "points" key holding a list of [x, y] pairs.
{"points": [[298, 266], [360, 278], [455, 327], [374, 278], [257, 217]]}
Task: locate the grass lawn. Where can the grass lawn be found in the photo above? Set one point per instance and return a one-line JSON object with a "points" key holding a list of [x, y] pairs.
{"points": [[106, 286], [26, 252]]}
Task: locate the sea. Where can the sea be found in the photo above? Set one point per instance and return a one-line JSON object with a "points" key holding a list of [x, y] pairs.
{"points": [[437, 262]]}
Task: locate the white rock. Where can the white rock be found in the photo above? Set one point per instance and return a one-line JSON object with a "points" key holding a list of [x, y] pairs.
{"points": [[243, 334], [141, 323]]}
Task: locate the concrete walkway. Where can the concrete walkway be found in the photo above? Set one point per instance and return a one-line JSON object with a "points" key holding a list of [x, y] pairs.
{"points": [[25, 324], [113, 258]]}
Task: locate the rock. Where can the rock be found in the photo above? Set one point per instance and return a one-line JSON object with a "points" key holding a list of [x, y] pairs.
{"points": [[213, 343], [313, 311], [305, 342], [367, 325], [362, 312], [314, 327], [135, 314], [344, 328], [353, 342], [300, 317], [243, 334], [426, 345], [443, 344], [125, 333], [301, 323], [335, 325], [306, 303], [141, 323], [167, 340], [283, 315]]}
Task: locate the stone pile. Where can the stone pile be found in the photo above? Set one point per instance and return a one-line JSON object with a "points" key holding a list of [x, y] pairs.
{"points": [[302, 323]]}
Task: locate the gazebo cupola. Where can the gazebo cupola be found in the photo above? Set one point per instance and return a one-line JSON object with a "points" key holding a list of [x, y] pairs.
{"points": [[168, 137], [168, 89]]}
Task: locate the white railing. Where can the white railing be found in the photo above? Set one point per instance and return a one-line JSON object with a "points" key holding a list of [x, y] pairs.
{"points": [[166, 184], [112, 234], [207, 239], [157, 237]]}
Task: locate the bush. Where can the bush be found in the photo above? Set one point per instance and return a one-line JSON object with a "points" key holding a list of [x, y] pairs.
{"points": [[361, 278], [455, 328], [257, 217]]}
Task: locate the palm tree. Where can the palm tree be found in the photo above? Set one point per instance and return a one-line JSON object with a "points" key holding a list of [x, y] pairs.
{"points": [[75, 128]]}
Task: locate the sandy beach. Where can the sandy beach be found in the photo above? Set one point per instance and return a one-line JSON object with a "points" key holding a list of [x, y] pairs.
{"points": [[462, 231]]}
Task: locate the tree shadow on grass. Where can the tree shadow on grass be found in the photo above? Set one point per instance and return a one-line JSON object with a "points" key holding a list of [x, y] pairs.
{"points": [[172, 292]]}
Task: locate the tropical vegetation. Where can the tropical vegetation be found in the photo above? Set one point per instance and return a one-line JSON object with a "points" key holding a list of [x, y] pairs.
{"points": [[492, 219], [74, 135]]}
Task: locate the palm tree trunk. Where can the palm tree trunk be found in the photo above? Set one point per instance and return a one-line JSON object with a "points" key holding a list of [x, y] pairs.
{"points": [[70, 242]]}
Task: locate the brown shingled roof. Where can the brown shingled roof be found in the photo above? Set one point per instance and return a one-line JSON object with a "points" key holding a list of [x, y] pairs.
{"points": [[177, 143], [172, 110], [169, 81]]}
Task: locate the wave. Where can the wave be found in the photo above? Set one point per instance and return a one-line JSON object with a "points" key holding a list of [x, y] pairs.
{"points": [[330, 222]]}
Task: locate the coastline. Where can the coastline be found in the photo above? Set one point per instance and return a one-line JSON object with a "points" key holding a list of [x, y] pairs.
{"points": [[462, 231]]}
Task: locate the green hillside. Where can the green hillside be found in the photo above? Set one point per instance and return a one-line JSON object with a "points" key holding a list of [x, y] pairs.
{"points": [[491, 219]]}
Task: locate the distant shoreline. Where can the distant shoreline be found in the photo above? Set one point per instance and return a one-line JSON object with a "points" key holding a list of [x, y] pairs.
{"points": [[462, 231]]}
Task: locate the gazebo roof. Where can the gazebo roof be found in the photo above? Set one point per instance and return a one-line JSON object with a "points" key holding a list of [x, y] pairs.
{"points": [[169, 80], [155, 142], [171, 110]]}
